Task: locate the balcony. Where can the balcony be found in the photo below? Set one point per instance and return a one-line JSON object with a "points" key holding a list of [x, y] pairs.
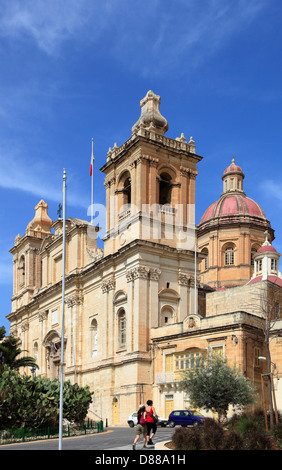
{"points": [[168, 379]]}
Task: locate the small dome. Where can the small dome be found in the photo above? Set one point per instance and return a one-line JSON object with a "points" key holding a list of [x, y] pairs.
{"points": [[266, 249], [233, 168]]}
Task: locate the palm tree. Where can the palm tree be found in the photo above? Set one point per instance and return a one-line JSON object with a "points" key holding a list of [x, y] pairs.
{"points": [[10, 352]]}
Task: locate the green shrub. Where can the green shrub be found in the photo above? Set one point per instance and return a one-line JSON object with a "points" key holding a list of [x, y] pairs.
{"points": [[233, 441], [209, 436], [277, 434], [245, 433], [257, 440], [247, 422], [212, 434], [187, 439]]}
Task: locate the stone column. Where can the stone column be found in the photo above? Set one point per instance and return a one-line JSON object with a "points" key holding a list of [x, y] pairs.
{"points": [[184, 280], [139, 315], [107, 331], [74, 328], [42, 317], [154, 276]]}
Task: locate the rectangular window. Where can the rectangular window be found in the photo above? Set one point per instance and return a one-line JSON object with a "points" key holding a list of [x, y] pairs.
{"points": [[273, 264], [259, 264], [217, 351], [256, 357], [54, 317], [169, 363], [229, 256], [122, 329], [187, 361]]}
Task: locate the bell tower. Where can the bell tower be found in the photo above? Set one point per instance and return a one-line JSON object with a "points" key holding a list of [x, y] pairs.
{"points": [[150, 184], [26, 257]]}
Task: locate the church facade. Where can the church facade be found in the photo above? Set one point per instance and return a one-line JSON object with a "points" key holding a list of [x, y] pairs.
{"points": [[138, 312]]}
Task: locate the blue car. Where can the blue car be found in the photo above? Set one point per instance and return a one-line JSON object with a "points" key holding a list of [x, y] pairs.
{"points": [[185, 418]]}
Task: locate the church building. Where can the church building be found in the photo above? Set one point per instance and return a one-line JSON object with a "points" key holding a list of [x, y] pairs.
{"points": [[143, 278], [145, 307]]}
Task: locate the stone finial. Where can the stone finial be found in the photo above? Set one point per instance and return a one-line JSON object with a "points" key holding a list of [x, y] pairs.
{"points": [[41, 221], [150, 115], [181, 138], [17, 239], [266, 241]]}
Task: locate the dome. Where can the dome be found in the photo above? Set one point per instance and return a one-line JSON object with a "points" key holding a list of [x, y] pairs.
{"points": [[233, 206], [233, 168], [230, 205], [266, 249]]}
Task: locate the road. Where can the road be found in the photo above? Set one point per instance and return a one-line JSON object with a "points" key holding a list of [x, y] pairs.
{"points": [[113, 438]]}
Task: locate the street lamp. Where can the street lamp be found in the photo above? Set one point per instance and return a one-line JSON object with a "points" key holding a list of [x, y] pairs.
{"points": [[33, 372], [270, 375]]}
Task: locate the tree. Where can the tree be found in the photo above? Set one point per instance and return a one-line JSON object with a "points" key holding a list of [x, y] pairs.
{"points": [[266, 303], [11, 352], [34, 402], [214, 385]]}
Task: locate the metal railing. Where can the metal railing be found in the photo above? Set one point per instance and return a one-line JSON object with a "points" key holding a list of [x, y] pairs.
{"points": [[10, 436]]}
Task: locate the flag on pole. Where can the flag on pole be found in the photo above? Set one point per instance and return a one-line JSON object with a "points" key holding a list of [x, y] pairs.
{"points": [[92, 160]]}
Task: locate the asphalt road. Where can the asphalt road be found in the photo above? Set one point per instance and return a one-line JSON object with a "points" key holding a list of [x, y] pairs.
{"points": [[113, 438]]}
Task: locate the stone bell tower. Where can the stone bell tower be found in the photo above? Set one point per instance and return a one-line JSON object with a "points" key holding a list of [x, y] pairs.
{"points": [[26, 257], [150, 185]]}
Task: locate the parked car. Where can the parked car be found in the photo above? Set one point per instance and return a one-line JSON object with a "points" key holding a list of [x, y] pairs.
{"points": [[185, 418], [132, 420]]}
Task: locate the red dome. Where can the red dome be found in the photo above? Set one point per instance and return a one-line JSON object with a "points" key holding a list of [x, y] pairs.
{"points": [[233, 205], [275, 279], [233, 168], [266, 248]]}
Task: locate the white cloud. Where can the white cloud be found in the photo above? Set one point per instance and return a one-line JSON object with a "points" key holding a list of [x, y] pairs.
{"points": [[156, 32], [37, 177], [49, 23], [272, 190]]}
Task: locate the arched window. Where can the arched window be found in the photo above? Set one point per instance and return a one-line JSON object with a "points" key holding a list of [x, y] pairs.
{"points": [[205, 263], [94, 337], [165, 189], [254, 249], [127, 191], [122, 328], [166, 316], [123, 192], [253, 252], [229, 255], [22, 271], [35, 350]]}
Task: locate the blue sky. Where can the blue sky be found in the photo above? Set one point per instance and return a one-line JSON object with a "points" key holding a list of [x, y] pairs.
{"points": [[76, 69]]}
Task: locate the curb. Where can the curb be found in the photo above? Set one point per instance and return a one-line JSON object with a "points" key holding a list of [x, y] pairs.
{"points": [[161, 446]]}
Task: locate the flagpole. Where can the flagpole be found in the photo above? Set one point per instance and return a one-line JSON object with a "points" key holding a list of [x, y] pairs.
{"points": [[195, 291], [92, 183], [63, 311]]}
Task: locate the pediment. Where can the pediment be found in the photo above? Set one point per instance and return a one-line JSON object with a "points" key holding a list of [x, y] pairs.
{"points": [[120, 297], [191, 322], [53, 336]]}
